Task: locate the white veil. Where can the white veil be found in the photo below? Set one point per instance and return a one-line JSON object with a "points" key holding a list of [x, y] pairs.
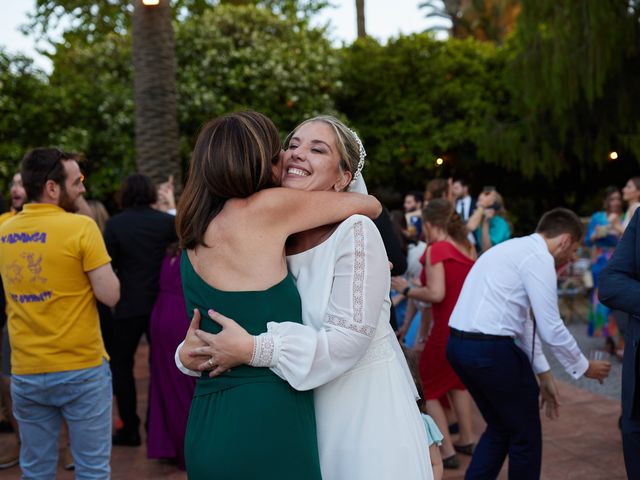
{"points": [[357, 185]]}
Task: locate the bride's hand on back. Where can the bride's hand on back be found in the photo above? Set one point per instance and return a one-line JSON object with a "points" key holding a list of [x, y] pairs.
{"points": [[191, 341], [231, 347]]}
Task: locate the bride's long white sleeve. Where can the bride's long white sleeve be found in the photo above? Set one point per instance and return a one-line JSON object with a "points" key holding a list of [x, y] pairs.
{"points": [[306, 357]]}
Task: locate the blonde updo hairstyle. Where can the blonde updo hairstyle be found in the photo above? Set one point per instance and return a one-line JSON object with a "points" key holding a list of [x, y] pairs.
{"points": [[348, 146]]}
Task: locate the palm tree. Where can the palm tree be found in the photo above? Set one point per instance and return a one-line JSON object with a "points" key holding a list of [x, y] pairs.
{"points": [[486, 20], [450, 10], [360, 18], [154, 73]]}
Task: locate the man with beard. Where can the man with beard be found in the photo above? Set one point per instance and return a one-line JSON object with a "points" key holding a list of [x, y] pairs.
{"points": [[494, 347], [54, 266]]}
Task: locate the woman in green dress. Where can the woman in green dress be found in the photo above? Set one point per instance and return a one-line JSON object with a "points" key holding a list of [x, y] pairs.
{"points": [[248, 423]]}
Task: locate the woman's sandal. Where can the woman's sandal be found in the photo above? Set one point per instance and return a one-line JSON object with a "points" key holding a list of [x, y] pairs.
{"points": [[464, 449]]}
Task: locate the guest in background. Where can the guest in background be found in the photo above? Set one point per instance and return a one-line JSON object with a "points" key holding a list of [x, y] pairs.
{"points": [[504, 284], [494, 228], [413, 214], [406, 310], [450, 256], [631, 195], [434, 436], [137, 240], [170, 391], [101, 216], [9, 458], [438, 188], [620, 289], [465, 203], [603, 233]]}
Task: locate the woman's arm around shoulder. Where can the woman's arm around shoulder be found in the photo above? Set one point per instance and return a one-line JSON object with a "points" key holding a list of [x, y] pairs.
{"points": [[299, 210]]}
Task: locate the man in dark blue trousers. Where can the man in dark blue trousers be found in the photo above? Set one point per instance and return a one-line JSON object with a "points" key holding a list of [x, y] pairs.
{"points": [[619, 289], [495, 350]]}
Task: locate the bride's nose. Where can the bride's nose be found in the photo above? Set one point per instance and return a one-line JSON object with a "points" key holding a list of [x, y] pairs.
{"points": [[298, 153]]}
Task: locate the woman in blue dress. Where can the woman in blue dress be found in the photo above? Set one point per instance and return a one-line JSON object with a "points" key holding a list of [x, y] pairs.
{"points": [[603, 234]]}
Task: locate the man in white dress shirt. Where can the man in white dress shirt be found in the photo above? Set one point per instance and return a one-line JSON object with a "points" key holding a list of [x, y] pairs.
{"points": [[495, 350]]}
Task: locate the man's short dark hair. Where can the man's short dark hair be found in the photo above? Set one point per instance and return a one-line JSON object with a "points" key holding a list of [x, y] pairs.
{"points": [[417, 196], [42, 164], [138, 190], [462, 181], [558, 221]]}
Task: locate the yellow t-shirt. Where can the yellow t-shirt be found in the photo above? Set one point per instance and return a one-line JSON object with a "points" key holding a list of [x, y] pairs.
{"points": [[45, 253], [7, 215]]}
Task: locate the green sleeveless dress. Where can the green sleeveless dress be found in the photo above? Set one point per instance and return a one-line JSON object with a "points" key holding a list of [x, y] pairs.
{"points": [[248, 424]]}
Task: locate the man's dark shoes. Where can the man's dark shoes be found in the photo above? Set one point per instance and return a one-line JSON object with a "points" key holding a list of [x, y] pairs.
{"points": [[124, 438]]}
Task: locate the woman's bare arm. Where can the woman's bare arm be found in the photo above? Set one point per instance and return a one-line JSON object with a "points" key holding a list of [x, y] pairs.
{"points": [[299, 210]]}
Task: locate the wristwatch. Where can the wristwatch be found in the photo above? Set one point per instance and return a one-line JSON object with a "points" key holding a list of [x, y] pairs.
{"points": [[405, 292]]}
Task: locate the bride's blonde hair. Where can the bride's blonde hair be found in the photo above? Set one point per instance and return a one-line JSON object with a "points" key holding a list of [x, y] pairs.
{"points": [[349, 145]]}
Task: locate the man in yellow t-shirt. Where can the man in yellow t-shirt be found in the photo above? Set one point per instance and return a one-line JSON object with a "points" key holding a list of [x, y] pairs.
{"points": [[54, 266], [10, 457]]}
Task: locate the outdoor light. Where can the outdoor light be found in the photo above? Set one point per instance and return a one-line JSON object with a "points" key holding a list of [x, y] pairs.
{"points": [[150, 3], [439, 161], [613, 155]]}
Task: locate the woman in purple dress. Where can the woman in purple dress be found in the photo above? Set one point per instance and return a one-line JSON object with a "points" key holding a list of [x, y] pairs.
{"points": [[170, 391]]}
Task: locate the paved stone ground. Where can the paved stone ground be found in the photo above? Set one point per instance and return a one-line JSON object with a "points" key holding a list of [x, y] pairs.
{"points": [[584, 443], [611, 387]]}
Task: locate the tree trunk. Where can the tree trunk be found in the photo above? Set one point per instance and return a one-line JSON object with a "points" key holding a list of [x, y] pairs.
{"points": [[360, 18], [154, 84]]}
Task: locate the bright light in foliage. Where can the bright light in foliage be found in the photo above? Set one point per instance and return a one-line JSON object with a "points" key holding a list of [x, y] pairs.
{"points": [[613, 155], [150, 3], [439, 161]]}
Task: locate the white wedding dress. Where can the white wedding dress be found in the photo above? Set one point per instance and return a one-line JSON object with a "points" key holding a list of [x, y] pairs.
{"points": [[369, 426]]}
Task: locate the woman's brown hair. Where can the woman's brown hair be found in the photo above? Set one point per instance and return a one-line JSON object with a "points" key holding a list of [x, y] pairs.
{"points": [[233, 158], [440, 213], [436, 188]]}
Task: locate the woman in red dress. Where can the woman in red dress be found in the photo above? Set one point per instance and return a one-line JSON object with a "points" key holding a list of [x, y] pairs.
{"points": [[449, 257]]}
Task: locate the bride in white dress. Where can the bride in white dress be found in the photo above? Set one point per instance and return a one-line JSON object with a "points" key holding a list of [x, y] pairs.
{"points": [[368, 424]]}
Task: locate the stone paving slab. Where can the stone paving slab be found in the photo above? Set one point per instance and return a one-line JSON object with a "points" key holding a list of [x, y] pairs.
{"points": [[584, 443]]}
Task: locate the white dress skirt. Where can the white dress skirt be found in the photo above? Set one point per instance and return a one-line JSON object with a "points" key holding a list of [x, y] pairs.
{"points": [[369, 426]]}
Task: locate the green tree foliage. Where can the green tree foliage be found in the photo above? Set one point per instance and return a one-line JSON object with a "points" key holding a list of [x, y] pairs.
{"points": [[94, 85], [417, 99], [23, 121], [91, 20], [244, 57], [573, 72], [229, 58], [485, 20]]}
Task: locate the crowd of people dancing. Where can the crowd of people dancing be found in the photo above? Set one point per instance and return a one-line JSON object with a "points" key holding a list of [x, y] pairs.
{"points": [[296, 328]]}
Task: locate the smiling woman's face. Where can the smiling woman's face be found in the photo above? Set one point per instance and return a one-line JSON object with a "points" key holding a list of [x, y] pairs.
{"points": [[312, 161]]}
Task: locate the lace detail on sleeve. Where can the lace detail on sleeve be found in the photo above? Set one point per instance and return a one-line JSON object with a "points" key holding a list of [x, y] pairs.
{"points": [[357, 323], [263, 351], [341, 322]]}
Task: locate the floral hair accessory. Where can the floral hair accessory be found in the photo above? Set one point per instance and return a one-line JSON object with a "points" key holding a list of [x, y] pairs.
{"points": [[362, 156]]}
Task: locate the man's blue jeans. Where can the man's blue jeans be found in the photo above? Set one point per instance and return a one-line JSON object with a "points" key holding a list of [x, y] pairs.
{"points": [[83, 399]]}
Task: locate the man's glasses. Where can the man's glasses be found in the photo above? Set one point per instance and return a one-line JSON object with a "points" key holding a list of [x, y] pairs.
{"points": [[55, 164]]}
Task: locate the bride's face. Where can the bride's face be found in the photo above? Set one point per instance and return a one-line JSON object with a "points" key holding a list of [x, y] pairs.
{"points": [[312, 161]]}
